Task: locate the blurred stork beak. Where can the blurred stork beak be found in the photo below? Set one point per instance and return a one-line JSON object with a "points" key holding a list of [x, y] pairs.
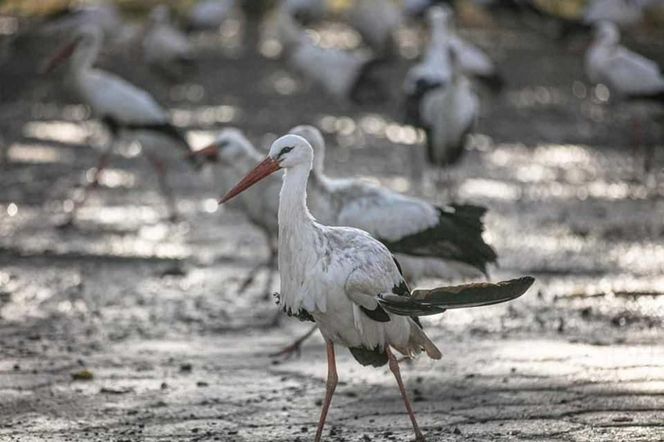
{"points": [[59, 57], [210, 153], [267, 167]]}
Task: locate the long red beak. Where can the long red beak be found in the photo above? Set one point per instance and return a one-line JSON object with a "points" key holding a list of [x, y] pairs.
{"points": [[210, 153], [266, 167], [60, 57]]}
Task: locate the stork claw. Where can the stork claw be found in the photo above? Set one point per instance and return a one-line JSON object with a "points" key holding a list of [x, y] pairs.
{"points": [[294, 348]]}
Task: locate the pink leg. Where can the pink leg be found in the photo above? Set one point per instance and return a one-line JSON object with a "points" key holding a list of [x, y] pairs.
{"points": [[331, 385], [166, 191], [102, 162], [394, 368]]}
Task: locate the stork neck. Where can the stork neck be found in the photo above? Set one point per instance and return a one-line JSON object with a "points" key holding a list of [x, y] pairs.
{"points": [[293, 211], [82, 60]]}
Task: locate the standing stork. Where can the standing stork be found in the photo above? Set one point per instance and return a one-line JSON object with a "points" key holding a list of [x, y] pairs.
{"points": [[347, 76], [350, 284], [121, 106], [628, 75], [443, 242], [236, 156]]}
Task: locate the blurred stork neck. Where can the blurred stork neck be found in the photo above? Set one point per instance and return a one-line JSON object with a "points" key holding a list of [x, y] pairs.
{"points": [[293, 212], [83, 58]]}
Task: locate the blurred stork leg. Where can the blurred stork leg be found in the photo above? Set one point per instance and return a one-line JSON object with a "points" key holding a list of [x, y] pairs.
{"points": [[394, 368], [295, 347], [331, 385], [166, 191], [102, 163], [270, 265], [636, 145]]}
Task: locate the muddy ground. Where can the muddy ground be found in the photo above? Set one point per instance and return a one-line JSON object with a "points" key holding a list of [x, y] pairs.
{"points": [[131, 328]]}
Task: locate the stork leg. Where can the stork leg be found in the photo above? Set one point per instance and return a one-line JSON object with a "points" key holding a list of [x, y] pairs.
{"points": [[331, 385], [394, 368], [295, 347], [102, 163], [270, 264], [166, 191]]}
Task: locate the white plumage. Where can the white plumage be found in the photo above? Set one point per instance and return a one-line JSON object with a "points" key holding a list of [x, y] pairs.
{"points": [[625, 72], [397, 220], [346, 281], [338, 71], [209, 14], [119, 104], [448, 115], [376, 21]]}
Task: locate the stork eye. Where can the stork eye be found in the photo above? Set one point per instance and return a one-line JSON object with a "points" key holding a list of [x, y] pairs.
{"points": [[285, 150]]}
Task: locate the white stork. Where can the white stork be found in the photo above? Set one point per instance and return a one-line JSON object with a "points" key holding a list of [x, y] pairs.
{"points": [[443, 242], [349, 283], [209, 15], [120, 105], [628, 75], [348, 76], [377, 22], [164, 46], [435, 69], [236, 156], [448, 115], [624, 72]]}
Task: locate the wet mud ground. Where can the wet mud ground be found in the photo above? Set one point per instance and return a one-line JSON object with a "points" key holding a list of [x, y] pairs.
{"points": [[130, 328]]}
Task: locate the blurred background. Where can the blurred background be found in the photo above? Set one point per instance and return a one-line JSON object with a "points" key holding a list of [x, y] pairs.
{"points": [[127, 325]]}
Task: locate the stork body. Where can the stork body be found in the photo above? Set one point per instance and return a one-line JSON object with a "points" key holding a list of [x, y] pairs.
{"points": [[448, 116], [120, 105], [236, 156], [626, 73], [429, 241], [376, 21], [209, 15], [345, 280], [348, 76]]}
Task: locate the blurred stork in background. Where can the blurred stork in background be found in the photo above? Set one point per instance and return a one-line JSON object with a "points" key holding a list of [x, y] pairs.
{"points": [[209, 15], [377, 22], [347, 76], [628, 76], [164, 46], [122, 107], [234, 156]]}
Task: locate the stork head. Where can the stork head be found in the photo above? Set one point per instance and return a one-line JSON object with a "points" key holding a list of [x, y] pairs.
{"points": [[439, 15], [286, 152], [607, 33], [229, 147], [83, 48], [317, 142]]}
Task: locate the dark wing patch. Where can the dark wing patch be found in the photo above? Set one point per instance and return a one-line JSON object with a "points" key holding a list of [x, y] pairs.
{"points": [[375, 357], [456, 237], [429, 302], [377, 314], [301, 314]]}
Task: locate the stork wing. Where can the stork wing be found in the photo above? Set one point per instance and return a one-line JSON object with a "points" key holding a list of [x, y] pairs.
{"points": [[429, 302], [633, 74]]}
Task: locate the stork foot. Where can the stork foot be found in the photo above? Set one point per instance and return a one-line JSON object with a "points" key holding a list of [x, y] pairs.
{"points": [[295, 348], [67, 224]]}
